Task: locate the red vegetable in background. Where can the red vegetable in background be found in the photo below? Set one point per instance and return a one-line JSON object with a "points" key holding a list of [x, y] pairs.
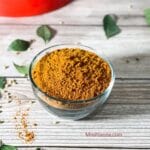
{"points": [[29, 7]]}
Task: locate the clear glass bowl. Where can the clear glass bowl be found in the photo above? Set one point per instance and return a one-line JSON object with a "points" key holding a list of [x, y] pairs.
{"points": [[69, 109]]}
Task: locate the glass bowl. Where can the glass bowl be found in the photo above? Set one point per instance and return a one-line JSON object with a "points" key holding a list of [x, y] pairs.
{"points": [[64, 108]]}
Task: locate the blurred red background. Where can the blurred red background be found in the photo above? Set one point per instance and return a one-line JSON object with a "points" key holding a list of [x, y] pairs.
{"points": [[16, 8]]}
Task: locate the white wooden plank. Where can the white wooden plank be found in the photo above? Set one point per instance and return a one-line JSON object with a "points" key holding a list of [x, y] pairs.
{"points": [[130, 120], [124, 91], [122, 50], [89, 12], [65, 148]]}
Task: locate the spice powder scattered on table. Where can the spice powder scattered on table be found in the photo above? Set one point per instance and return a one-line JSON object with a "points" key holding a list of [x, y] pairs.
{"points": [[22, 126], [72, 73]]}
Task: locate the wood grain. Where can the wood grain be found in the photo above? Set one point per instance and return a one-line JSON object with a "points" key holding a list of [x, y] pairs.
{"points": [[67, 148], [87, 12], [128, 51], [127, 113]]}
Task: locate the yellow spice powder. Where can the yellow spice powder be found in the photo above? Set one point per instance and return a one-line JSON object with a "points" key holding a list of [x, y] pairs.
{"points": [[22, 126], [72, 74]]}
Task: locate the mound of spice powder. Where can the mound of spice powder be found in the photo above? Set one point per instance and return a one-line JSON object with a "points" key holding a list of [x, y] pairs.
{"points": [[72, 74]]}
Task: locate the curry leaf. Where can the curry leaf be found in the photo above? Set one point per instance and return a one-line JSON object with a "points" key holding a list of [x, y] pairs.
{"points": [[19, 45], [7, 147], [22, 69], [1, 121], [110, 26], [45, 32], [2, 82], [147, 15]]}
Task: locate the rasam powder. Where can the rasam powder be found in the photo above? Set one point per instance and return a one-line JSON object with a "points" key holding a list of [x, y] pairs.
{"points": [[72, 74]]}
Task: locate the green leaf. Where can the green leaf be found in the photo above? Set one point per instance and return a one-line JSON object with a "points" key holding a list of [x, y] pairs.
{"points": [[2, 82], [19, 45], [110, 26], [147, 15], [22, 69], [1, 121], [45, 32], [7, 147]]}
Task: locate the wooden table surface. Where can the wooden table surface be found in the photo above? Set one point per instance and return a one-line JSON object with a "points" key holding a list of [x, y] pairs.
{"points": [[127, 113]]}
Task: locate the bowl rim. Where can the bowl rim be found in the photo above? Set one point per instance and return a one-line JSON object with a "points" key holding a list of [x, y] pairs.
{"points": [[109, 88]]}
